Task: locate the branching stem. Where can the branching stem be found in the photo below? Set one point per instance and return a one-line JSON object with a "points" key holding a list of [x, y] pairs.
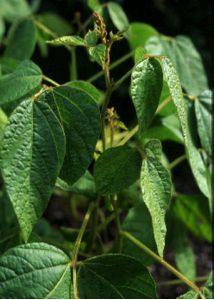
{"points": [[163, 262], [77, 246], [53, 82]]}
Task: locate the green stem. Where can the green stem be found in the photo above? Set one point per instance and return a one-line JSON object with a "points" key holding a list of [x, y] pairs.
{"points": [[178, 281], [112, 66], [103, 114], [163, 262], [94, 229], [73, 69], [46, 78], [163, 104], [177, 161], [44, 28], [121, 80], [77, 246], [117, 221]]}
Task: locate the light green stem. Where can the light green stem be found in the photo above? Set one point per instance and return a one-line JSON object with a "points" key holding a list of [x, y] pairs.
{"points": [[73, 72], [77, 246], [46, 78], [163, 262], [177, 161], [178, 281], [121, 80]]}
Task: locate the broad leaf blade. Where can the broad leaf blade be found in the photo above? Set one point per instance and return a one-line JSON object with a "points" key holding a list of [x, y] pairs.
{"points": [[97, 54], [186, 59], [25, 79], [139, 33], [203, 112], [195, 160], [114, 276], [138, 222], [118, 16], [116, 169], [80, 118], [35, 270], [193, 212], [21, 40], [146, 86], [32, 154], [156, 189]]}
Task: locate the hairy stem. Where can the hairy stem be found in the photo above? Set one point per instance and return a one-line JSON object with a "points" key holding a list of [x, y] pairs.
{"points": [[46, 78], [163, 262], [77, 246]]}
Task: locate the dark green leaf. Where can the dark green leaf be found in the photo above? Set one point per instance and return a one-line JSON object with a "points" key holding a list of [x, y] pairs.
{"points": [[139, 33], [208, 288], [86, 87], [26, 78], [138, 222], [32, 154], [146, 86], [195, 160], [85, 185], [91, 38], [193, 212], [167, 128], [156, 189], [186, 59], [55, 23], [12, 10], [21, 40], [114, 276], [203, 111], [80, 118], [118, 16], [97, 54], [35, 270], [116, 169]]}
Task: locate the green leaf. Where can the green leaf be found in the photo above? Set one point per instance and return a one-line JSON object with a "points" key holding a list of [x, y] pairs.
{"points": [[25, 79], [3, 122], [86, 87], [71, 40], [35, 270], [84, 186], [116, 169], [193, 212], [195, 160], [146, 85], [156, 189], [189, 295], [184, 255], [91, 38], [138, 222], [12, 10], [32, 154], [208, 288], [21, 40], [186, 59], [114, 276], [94, 5], [139, 33], [170, 108], [2, 28], [97, 54], [55, 23], [80, 118], [167, 128], [203, 112], [8, 64], [118, 16], [139, 54]]}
